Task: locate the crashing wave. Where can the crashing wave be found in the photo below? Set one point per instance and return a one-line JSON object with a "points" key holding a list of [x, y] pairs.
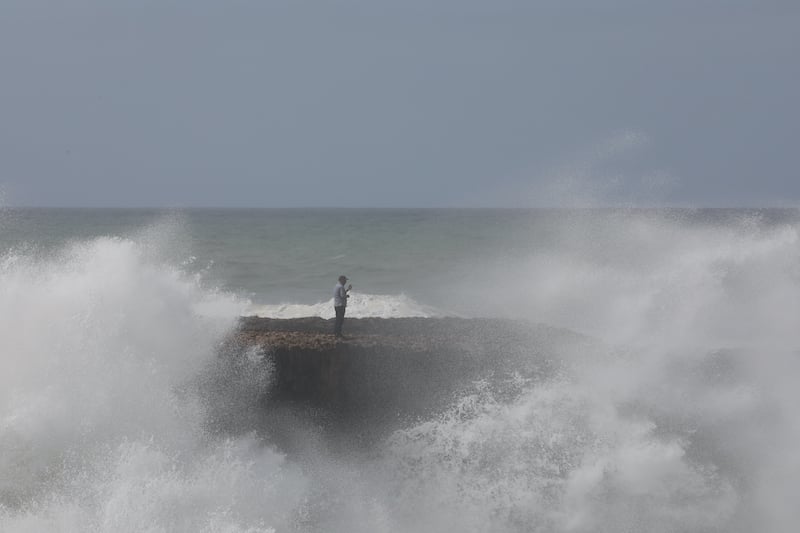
{"points": [[358, 306]]}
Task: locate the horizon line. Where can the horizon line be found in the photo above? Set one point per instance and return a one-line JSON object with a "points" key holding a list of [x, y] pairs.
{"points": [[401, 208]]}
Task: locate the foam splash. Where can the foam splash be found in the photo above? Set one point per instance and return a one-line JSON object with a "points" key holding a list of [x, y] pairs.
{"points": [[551, 460], [101, 426], [358, 306], [685, 419]]}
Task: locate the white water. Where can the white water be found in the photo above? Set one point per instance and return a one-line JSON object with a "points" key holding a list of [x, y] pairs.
{"points": [[687, 421], [682, 418], [358, 306], [99, 427]]}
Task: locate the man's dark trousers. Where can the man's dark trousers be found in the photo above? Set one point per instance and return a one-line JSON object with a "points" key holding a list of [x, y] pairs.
{"points": [[337, 325]]}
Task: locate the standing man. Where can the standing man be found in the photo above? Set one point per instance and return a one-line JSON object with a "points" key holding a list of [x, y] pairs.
{"points": [[340, 297]]}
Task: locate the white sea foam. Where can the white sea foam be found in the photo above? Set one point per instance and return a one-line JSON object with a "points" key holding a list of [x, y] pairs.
{"points": [[358, 306], [551, 460], [101, 428], [682, 417]]}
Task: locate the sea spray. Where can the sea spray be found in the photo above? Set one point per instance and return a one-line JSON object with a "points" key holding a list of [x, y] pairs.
{"points": [[551, 460], [101, 424], [682, 418], [359, 305], [680, 414]]}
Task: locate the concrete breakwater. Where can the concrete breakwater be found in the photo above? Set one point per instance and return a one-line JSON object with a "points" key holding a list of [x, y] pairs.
{"points": [[399, 367]]}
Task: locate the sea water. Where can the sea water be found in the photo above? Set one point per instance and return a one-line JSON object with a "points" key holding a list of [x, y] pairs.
{"points": [[680, 415]]}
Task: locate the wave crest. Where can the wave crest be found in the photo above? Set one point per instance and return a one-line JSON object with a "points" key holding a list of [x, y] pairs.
{"points": [[359, 306]]}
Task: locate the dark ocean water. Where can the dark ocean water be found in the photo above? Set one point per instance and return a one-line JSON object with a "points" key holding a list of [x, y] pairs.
{"points": [[679, 415]]}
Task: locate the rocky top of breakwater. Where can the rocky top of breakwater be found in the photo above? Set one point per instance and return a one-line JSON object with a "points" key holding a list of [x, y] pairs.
{"points": [[407, 334]]}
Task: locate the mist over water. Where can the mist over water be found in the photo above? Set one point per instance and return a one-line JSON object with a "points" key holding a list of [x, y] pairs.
{"points": [[101, 427], [678, 414], [686, 421]]}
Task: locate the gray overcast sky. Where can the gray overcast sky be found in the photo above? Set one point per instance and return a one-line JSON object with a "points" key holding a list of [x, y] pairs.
{"points": [[404, 103]]}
